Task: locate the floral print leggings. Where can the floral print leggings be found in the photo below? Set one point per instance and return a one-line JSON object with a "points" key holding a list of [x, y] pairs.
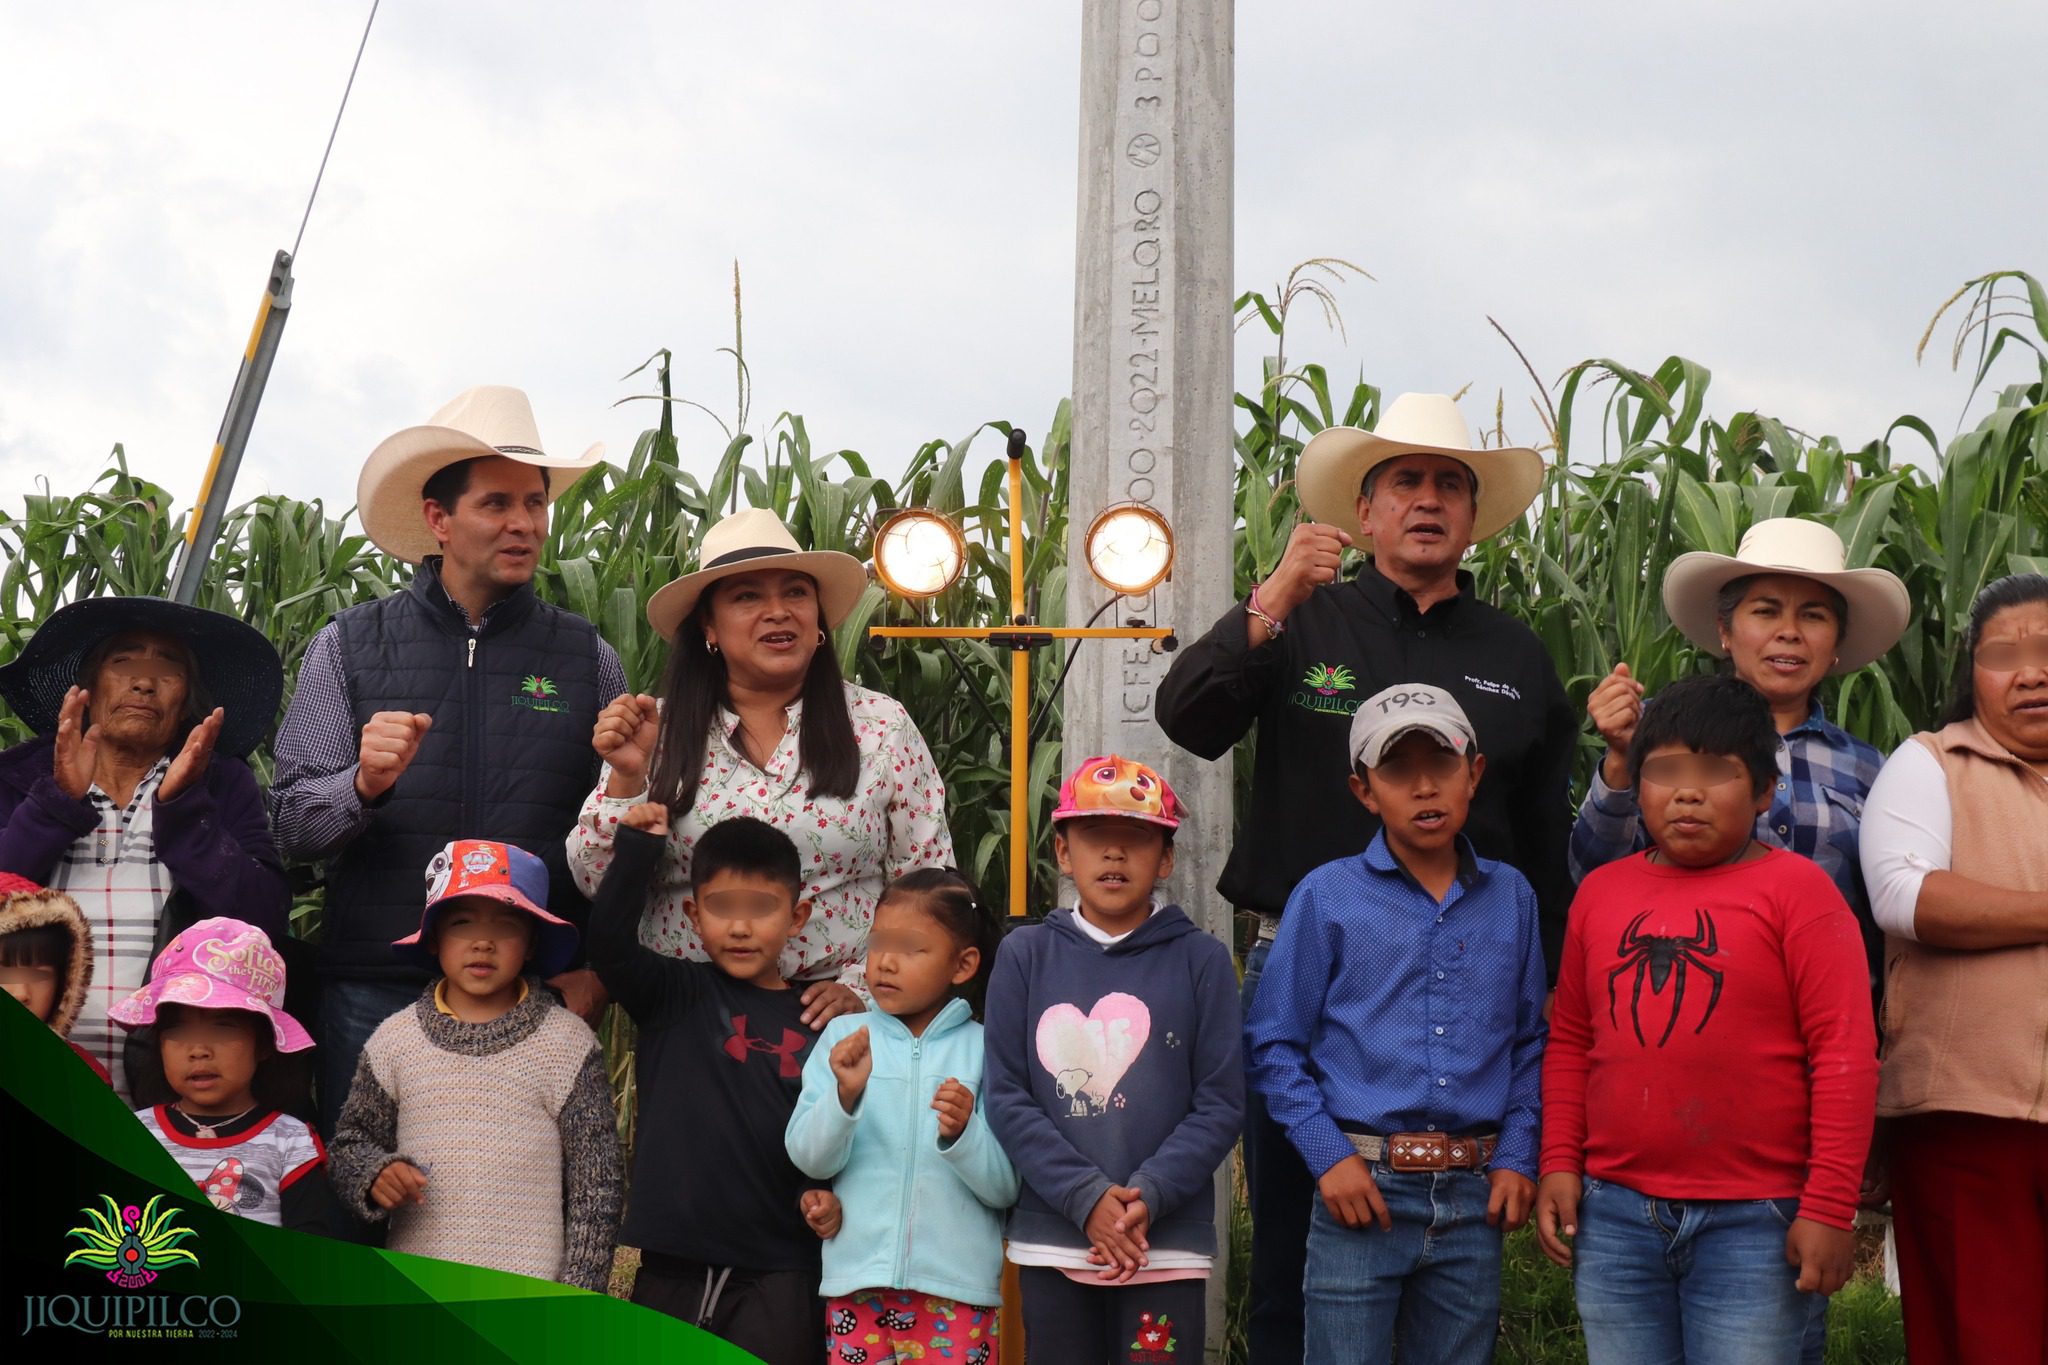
{"points": [[892, 1326]]}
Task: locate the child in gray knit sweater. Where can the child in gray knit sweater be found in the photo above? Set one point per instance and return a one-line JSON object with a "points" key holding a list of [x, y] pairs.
{"points": [[512, 1165]]}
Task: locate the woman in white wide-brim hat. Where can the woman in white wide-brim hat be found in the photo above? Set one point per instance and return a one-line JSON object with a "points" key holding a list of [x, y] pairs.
{"points": [[1786, 615], [755, 719]]}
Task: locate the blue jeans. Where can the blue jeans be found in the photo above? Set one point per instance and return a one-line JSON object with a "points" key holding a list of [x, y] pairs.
{"points": [[349, 1013], [1687, 1282], [1432, 1281], [1279, 1190]]}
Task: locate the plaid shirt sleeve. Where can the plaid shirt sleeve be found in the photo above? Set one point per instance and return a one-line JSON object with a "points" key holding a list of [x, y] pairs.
{"points": [[1609, 827], [611, 674], [1830, 773], [315, 808]]}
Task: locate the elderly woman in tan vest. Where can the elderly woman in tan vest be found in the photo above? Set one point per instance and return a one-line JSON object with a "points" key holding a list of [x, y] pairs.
{"points": [[1955, 853]]}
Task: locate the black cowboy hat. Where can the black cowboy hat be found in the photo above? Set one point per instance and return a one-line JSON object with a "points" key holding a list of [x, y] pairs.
{"points": [[239, 670]]}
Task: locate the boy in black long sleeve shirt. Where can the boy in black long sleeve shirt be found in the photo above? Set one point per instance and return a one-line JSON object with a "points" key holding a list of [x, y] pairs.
{"points": [[714, 1202]]}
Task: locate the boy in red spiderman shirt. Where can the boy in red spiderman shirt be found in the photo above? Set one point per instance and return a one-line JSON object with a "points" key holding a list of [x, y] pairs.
{"points": [[1711, 1078]]}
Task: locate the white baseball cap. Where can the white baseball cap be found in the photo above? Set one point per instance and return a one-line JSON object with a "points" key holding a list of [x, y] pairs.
{"points": [[1385, 716]]}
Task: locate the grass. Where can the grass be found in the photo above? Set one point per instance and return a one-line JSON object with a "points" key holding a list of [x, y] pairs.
{"points": [[1538, 1323], [1540, 1326]]}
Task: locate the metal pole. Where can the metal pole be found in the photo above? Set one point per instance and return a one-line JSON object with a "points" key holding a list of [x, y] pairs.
{"points": [[204, 527], [1011, 1311], [1020, 694]]}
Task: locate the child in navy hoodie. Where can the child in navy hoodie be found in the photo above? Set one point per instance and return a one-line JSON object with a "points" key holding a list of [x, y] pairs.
{"points": [[1114, 1082]]}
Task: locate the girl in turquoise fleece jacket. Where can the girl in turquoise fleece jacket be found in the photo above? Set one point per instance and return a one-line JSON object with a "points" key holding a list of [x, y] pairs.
{"points": [[890, 1114]]}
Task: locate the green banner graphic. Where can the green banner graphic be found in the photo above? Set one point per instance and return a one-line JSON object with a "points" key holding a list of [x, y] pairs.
{"points": [[108, 1251]]}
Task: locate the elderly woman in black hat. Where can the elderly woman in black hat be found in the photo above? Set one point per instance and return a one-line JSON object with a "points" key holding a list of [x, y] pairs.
{"points": [[134, 798]]}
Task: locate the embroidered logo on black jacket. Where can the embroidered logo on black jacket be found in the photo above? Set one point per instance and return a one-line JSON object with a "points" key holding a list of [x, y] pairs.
{"points": [[1664, 959], [1320, 687]]}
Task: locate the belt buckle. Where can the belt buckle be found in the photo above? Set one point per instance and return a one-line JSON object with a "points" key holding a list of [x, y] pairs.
{"points": [[1419, 1152]]}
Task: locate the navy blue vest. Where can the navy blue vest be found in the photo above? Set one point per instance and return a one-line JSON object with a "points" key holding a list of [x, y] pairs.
{"points": [[508, 757]]}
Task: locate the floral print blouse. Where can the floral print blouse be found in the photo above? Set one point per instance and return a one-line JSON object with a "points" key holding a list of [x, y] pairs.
{"points": [[851, 848]]}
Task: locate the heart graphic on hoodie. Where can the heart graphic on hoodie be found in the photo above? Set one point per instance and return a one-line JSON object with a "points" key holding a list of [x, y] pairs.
{"points": [[1087, 1054]]}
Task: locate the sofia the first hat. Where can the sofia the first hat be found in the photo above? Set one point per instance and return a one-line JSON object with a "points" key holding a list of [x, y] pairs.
{"points": [[1112, 785], [217, 964], [499, 872]]}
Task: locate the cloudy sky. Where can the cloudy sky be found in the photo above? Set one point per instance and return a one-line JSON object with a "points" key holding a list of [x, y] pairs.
{"points": [[544, 194]]}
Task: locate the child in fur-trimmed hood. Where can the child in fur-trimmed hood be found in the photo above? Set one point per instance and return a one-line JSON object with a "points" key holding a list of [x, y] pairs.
{"points": [[46, 957]]}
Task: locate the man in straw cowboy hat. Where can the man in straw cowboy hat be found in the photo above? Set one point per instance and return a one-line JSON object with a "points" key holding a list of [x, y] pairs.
{"points": [[1299, 656], [459, 708]]}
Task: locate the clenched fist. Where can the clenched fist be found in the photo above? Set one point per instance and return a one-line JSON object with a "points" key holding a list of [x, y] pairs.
{"points": [[625, 736], [391, 740], [822, 1212], [649, 817], [955, 1103], [401, 1182], [1312, 558], [1615, 707], [852, 1062]]}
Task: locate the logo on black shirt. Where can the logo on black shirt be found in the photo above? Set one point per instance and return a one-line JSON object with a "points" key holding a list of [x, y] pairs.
{"points": [[1321, 686], [740, 1043]]}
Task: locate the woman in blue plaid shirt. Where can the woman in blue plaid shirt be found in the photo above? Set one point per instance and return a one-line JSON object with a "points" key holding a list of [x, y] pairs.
{"points": [[1785, 614]]}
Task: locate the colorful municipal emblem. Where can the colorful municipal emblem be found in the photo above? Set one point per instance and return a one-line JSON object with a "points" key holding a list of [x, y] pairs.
{"points": [[131, 1245], [538, 692], [1330, 679]]}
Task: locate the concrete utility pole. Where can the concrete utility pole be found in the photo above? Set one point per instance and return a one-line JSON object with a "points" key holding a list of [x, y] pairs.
{"points": [[1152, 396]]}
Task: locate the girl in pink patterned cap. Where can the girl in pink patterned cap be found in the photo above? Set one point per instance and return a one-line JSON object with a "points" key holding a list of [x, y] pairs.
{"points": [[211, 1002], [1112, 1077]]}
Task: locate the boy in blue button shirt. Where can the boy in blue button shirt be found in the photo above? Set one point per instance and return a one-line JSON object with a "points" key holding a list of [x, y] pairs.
{"points": [[1398, 1037]]}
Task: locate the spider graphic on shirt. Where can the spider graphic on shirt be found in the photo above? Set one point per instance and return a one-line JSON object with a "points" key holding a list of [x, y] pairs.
{"points": [[1664, 959]]}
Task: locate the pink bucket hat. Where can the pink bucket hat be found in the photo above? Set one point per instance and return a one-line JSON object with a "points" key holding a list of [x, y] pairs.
{"points": [[499, 872], [1111, 785], [217, 964]]}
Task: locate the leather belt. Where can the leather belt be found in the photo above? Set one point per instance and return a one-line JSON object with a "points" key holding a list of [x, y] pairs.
{"points": [[1269, 927], [1426, 1151]]}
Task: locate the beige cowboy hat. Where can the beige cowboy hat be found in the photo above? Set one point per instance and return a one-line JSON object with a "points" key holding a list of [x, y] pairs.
{"points": [[749, 541], [491, 419], [1878, 605], [1337, 459]]}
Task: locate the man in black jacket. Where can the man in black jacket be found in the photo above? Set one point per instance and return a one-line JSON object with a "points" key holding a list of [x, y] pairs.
{"points": [[1297, 658], [461, 708]]}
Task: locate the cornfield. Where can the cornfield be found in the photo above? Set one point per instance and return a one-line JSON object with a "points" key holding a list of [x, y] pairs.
{"points": [[1639, 473]]}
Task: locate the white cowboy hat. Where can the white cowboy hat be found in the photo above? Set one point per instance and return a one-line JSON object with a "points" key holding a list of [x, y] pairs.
{"points": [[1878, 605], [746, 542], [491, 419], [1337, 459]]}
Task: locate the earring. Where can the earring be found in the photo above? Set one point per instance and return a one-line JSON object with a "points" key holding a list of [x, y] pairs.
{"points": [[821, 636], [710, 648]]}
